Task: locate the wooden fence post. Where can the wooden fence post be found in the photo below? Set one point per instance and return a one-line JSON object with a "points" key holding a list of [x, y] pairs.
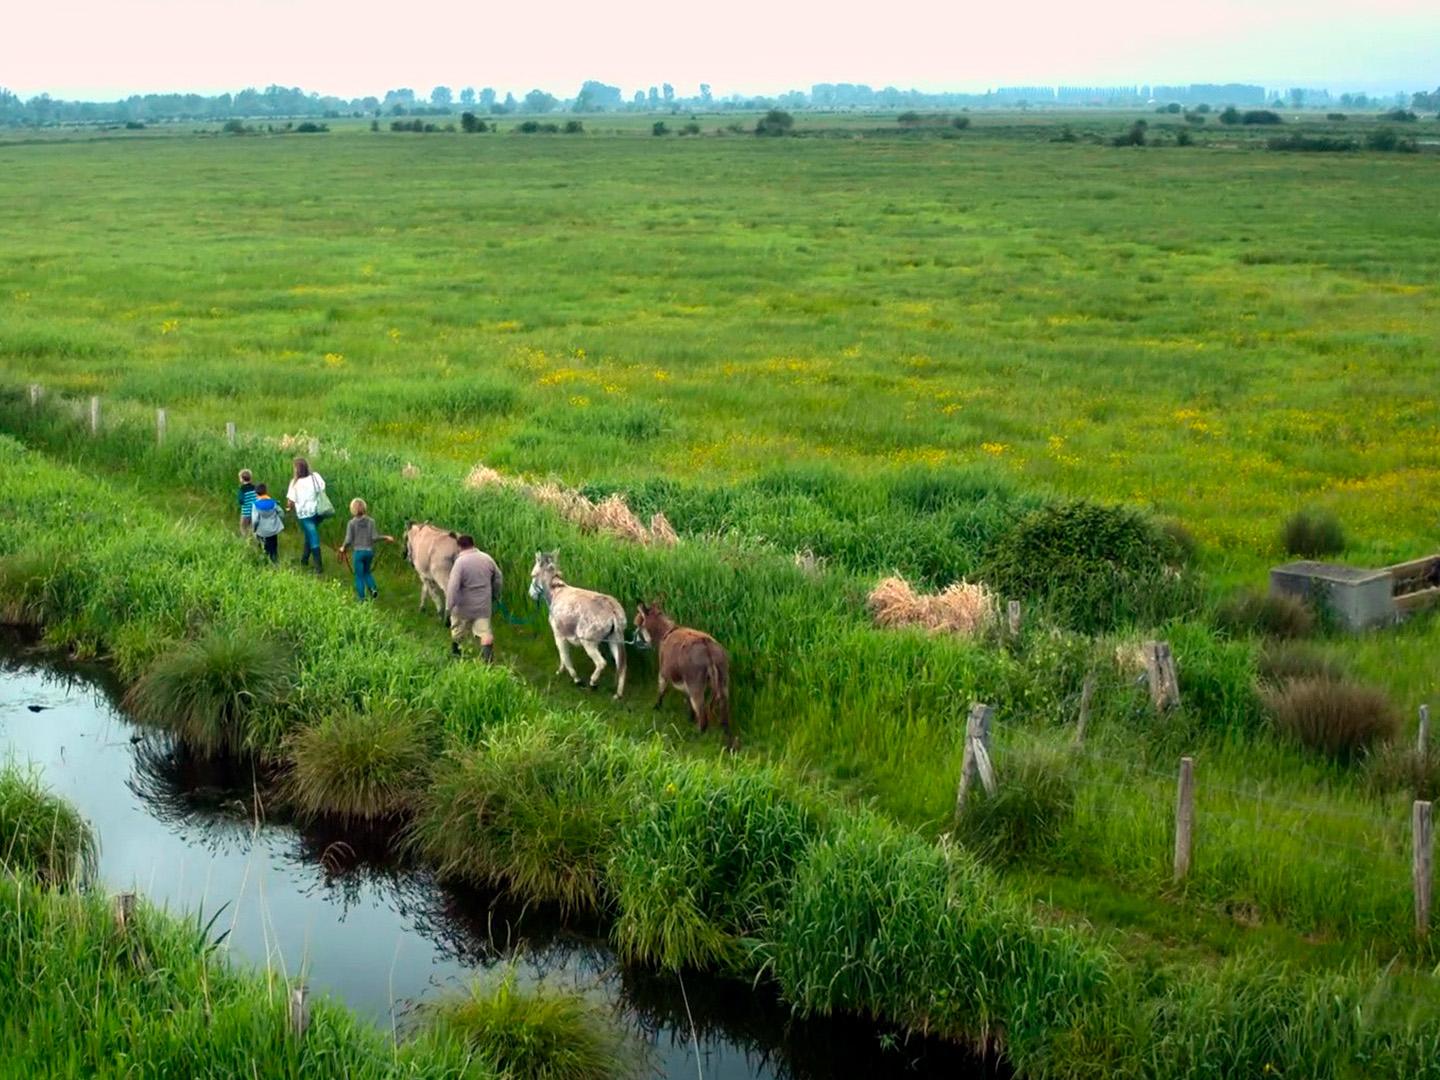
{"points": [[94, 415], [230, 432], [1422, 738], [1422, 859], [1087, 691], [160, 426], [1014, 614], [299, 1010], [976, 761], [36, 393], [1184, 817], [1160, 672], [124, 910]]}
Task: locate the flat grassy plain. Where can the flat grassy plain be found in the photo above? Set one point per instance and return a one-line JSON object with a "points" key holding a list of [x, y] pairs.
{"points": [[882, 346]]}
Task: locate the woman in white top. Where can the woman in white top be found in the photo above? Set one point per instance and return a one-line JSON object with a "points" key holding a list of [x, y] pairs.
{"points": [[304, 490]]}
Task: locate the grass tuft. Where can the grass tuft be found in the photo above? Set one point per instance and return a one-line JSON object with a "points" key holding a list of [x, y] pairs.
{"points": [[206, 690], [359, 763], [1340, 719], [538, 1033], [1311, 533], [1267, 614], [42, 835], [1034, 800]]}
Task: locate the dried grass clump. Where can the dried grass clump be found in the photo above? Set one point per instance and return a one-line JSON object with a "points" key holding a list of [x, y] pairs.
{"points": [[662, 532], [964, 607], [613, 515], [482, 476], [1337, 718], [410, 471]]}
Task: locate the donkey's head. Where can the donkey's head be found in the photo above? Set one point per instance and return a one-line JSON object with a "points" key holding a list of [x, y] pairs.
{"points": [[544, 574], [651, 622]]}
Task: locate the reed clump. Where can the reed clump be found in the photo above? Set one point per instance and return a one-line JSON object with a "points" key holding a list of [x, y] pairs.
{"points": [[41, 835], [537, 1032], [208, 689], [365, 763], [1338, 718]]}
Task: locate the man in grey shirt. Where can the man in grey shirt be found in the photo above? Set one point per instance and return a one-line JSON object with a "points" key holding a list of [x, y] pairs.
{"points": [[475, 581]]}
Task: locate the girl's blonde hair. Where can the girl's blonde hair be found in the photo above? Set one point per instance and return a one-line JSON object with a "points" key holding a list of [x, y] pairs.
{"points": [[358, 507], [245, 476]]}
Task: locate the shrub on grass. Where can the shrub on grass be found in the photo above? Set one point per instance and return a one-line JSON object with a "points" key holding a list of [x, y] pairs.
{"points": [[206, 690], [548, 796], [1133, 136], [659, 128], [1311, 533], [960, 123], [706, 859], [1387, 141], [28, 587], [1340, 719], [1095, 567], [536, 1033], [359, 763], [42, 835], [1033, 800], [1261, 117], [775, 122], [1273, 615], [1310, 143]]}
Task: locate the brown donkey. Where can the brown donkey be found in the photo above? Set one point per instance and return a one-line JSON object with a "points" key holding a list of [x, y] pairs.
{"points": [[693, 661]]}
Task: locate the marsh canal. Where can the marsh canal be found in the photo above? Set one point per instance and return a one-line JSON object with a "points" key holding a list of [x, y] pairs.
{"points": [[337, 909]]}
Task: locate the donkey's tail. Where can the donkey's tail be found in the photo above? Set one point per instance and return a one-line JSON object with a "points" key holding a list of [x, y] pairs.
{"points": [[717, 676]]}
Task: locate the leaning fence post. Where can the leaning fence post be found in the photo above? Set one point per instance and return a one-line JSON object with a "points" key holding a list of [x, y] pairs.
{"points": [[160, 426], [976, 760], [1087, 691], [299, 1010], [95, 415], [1422, 858], [1184, 817], [230, 432], [124, 910], [1160, 671], [1422, 738]]}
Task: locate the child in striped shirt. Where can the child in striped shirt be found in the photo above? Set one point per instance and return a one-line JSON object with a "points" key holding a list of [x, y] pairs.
{"points": [[245, 498]]}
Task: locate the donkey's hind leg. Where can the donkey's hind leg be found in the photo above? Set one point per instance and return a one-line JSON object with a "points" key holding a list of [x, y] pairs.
{"points": [[593, 648], [617, 652], [697, 706], [567, 666]]}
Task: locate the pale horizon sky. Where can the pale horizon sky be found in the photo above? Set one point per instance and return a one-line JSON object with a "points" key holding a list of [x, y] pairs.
{"points": [[99, 50]]}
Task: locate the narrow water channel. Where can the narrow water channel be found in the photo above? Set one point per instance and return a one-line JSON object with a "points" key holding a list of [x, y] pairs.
{"points": [[336, 908]]}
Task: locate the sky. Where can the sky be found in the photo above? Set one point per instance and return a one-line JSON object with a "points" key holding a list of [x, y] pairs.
{"points": [[102, 49]]}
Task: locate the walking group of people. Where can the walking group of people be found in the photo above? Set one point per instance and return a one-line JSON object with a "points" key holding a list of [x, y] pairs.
{"points": [[263, 518], [473, 582]]}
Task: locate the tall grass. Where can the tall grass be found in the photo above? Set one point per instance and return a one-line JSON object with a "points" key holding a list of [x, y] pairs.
{"points": [[41, 835]]}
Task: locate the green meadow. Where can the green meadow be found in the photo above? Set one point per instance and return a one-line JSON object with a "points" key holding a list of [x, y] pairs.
{"points": [[892, 348]]}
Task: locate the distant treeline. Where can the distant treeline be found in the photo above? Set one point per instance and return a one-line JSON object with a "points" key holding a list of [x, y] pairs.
{"points": [[594, 96]]}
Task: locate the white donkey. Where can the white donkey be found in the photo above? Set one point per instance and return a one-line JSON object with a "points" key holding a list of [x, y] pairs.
{"points": [[431, 550], [580, 617]]}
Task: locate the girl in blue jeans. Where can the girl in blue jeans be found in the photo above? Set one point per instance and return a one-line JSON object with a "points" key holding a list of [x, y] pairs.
{"points": [[360, 536]]}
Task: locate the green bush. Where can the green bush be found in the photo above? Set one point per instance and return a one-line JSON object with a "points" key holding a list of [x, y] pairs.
{"points": [[536, 1033], [960, 123], [1340, 719], [1311, 533], [369, 762], [41, 835], [574, 127], [207, 690], [1095, 568], [1260, 116], [775, 122], [1132, 136], [1272, 615], [1310, 143], [659, 127], [1230, 115], [1388, 141], [1034, 799]]}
